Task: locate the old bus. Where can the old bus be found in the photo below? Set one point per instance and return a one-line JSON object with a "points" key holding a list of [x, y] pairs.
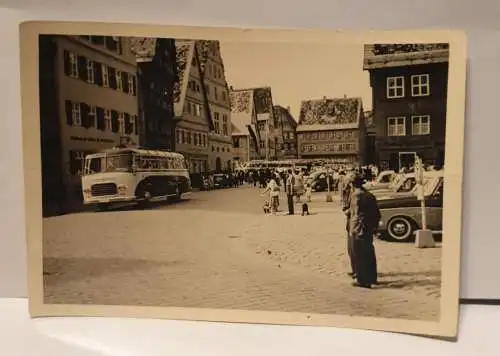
{"points": [[130, 175]]}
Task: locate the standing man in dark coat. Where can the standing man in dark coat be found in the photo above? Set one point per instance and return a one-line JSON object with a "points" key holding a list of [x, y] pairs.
{"points": [[363, 222], [289, 184], [346, 200]]}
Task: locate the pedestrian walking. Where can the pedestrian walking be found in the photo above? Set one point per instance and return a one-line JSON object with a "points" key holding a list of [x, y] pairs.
{"points": [[289, 185], [364, 216]]}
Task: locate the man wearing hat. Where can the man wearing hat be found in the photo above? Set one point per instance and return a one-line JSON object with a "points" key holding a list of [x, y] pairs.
{"points": [[364, 217]]}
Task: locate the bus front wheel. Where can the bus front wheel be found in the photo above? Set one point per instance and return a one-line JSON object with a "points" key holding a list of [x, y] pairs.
{"points": [[178, 194]]}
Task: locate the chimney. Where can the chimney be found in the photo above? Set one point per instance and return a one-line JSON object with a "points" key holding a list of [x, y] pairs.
{"points": [[231, 87], [288, 108], [345, 96], [324, 97]]}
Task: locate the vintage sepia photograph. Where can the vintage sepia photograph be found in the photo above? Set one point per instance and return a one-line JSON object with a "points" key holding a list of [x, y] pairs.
{"points": [[300, 179]]}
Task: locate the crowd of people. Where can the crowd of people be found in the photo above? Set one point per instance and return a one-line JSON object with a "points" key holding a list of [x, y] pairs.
{"points": [[359, 205]]}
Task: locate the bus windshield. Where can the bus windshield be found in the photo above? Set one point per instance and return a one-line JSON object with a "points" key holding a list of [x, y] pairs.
{"points": [[122, 162]]}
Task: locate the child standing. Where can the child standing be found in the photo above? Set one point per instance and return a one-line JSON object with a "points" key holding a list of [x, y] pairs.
{"points": [[308, 191]]}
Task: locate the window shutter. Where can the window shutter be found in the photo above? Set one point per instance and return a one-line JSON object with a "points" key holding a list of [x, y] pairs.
{"points": [[112, 77], [134, 85], [100, 118], [67, 63], [98, 73], [69, 112], [136, 124], [128, 126], [114, 121], [82, 68], [125, 77], [85, 110]]}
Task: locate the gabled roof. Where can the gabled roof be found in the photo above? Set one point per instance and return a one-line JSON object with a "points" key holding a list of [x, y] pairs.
{"points": [[288, 116], [241, 101], [329, 114], [241, 123], [399, 55], [184, 51], [248, 100], [143, 48]]}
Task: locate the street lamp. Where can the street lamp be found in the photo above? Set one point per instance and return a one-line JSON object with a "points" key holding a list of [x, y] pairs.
{"points": [[329, 197]]}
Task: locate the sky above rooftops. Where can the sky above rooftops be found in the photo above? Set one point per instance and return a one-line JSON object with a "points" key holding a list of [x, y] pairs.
{"points": [[298, 71]]}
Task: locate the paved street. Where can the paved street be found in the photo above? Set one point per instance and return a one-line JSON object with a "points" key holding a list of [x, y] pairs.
{"points": [[218, 250]]}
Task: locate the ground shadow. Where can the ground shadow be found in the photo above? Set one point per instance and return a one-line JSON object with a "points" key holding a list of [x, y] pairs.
{"points": [[411, 274], [61, 270], [407, 283]]}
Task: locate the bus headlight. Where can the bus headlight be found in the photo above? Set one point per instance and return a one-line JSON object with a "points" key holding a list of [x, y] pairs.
{"points": [[122, 188], [87, 192]]}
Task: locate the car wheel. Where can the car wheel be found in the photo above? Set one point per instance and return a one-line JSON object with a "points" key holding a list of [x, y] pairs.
{"points": [[400, 229]]}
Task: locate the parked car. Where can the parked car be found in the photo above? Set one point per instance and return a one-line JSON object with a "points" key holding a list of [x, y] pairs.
{"points": [[319, 182], [401, 215], [221, 181], [383, 180]]}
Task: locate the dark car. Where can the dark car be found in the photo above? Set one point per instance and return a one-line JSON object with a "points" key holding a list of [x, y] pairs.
{"points": [[401, 215], [221, 181], [319, 182]]}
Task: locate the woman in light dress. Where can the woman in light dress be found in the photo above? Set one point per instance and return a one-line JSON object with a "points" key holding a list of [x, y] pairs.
{"points": [[274, 192]]}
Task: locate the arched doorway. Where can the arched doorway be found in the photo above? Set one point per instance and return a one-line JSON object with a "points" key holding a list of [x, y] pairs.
{"points": [[218, 164]]}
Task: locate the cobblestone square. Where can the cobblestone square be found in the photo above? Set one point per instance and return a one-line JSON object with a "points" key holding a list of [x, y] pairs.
{"points": [[218, 250]]}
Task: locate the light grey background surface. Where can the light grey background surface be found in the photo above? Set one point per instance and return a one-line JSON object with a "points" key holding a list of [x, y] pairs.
{"points": [[481, 245]]}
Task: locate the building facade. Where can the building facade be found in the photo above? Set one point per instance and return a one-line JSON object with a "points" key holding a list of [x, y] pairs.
{"points": [[409, 90], [219, 105], [285, 139], [88, 102], [260, 101], [332, 129], [191, 109], [244, 123], [156, 62]]}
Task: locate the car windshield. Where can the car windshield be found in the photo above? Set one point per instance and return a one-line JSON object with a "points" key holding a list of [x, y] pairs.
{"points": [[109, 163], [395, 182], [430, 185]]}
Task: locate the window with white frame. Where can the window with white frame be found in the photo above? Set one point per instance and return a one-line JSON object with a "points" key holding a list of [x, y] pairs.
{"points": [[420, 125], [73, 62], [121, 123], [216, 122], [197, 109], [90, 71], [107, 120], [76, 114], [105, 76], [420, 85], [396, 126], [93, 116], [395, 87], [119, 80]]}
